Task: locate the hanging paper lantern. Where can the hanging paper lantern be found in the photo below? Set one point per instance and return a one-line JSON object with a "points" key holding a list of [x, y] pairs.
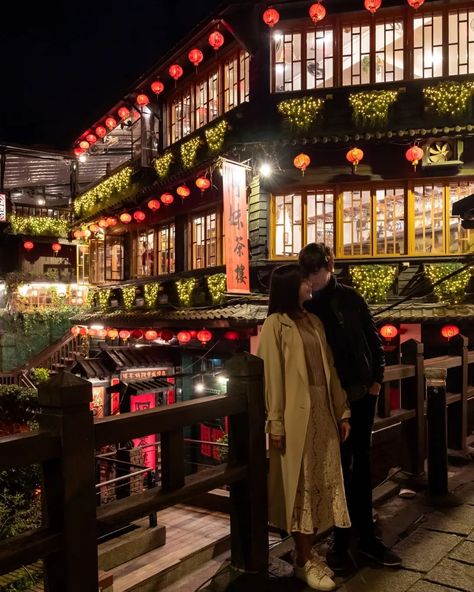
{"points": [[416, 3], [102, 333], [157, 87], [77, 234], [167, 199], [91, 138], [302, 162], [183, 191], [136, 334], [78, 151], [151, 335], [195, 56], [125, 218], [83, 331], [414, 154], [184, 336], [388, 332], [203, 183], [123, 112], [449, 331], [354, 156], [84, 144], [28, 245], [100, 131], [75, 330], [94, 227], [124, 334], [154, 205], [91, 332], [175, 71], [87, 233], [111, 122], [56, 248], [142, 100], [372, 5], [111, 221], [112, 333], [139, 216], [317, 12], [167, 335], [271, 17], [216, 40], [103, 223], [231, 335], [204, 336]]}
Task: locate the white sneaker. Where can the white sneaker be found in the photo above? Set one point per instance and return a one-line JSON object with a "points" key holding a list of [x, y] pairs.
{"points": [[313, 575], [320, 562]]}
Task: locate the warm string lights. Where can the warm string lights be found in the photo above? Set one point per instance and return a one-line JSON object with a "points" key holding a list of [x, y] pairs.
{"points": [[373, 281], [301, 113], [185, 288], [38, 226], [451, 290], [217, 284], [104, 297], [449, 99], [370, 108], [116, 183], [129, 295], [162, 164], [150, 293], [215, 136], [189, 151]]}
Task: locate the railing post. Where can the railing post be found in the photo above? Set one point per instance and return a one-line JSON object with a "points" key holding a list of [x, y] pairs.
{"points": [[69, 484], [248, 498], [458, 383], [413, 397]]}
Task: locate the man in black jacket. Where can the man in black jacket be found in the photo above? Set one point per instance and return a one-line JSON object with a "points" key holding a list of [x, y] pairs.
{"points": [[359, 359]]}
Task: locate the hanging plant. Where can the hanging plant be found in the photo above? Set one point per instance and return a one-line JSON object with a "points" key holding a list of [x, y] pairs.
{"points": [[101, 193], [128, 295], [91, 298], [373, 281], [189, 152], [162, 164], [39, 226], [449, 99], [104, 296], [370, 108], [150, 293], [451, 290], [185, 288], [215, 136], [216, 285], [301, 113]]}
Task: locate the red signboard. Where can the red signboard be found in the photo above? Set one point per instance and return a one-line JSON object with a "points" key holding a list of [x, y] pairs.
{"points": [[235, 227], [141, 403]]}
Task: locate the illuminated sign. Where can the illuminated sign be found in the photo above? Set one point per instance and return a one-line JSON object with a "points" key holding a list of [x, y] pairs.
{"points": [[3, 207], [142, 374]]}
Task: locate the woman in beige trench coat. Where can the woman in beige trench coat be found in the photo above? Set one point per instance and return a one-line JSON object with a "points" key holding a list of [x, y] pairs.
{"points": [[307, 416]]}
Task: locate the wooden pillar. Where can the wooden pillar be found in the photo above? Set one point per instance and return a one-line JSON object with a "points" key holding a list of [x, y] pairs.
{"points": [[457, 383], [69, 484], [248, 498]]}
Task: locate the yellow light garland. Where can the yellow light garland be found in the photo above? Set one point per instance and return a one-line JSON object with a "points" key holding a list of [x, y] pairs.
{"points": [[301, 113], [150, 293], [370, 108], [162, 164], [189, 151], [104, 295], [185, 288], [216, 285], [128, 295], [215, 136], [451, 290], [450, 99], [373, 281], [116, 183], [39, 226]]}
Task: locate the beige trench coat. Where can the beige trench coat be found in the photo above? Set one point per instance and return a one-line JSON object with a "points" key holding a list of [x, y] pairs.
{"points": [[288, 402]]}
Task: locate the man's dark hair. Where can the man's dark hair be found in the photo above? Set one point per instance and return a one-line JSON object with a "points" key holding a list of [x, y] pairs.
{"points": [[284, 289], [314, 256]]}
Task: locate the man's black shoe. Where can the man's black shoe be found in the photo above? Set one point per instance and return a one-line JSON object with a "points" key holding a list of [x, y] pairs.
{"points": [[338, 559], [377, 551]]}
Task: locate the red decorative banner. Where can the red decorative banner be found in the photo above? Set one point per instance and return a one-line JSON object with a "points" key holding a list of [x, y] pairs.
{"points": [[235, 227]]}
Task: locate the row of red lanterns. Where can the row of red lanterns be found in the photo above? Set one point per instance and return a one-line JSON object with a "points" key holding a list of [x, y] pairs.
{"points": [[355, 155], [30, 245], [183, 337], [389, 332], [317, 12]]}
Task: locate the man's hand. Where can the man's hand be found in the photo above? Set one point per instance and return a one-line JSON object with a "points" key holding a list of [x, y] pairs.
{"points": [[278, 442], [374, 389], [344, 430]]}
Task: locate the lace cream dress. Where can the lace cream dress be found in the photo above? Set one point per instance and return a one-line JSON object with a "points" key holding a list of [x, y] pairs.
{"points": [[320, 501]]}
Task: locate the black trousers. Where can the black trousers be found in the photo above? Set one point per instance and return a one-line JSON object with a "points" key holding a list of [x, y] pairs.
{"points": [[356, 461]]}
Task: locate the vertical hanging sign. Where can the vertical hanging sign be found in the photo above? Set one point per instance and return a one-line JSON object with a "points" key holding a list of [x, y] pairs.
{"points": [[3, 207], [236, 227]]}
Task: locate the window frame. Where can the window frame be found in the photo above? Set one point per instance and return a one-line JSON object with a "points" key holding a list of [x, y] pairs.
{"points": [[204, 213], [171, 239]]}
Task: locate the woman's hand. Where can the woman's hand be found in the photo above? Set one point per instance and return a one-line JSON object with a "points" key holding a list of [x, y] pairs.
{"points": [[278, 442], [344, 429]]}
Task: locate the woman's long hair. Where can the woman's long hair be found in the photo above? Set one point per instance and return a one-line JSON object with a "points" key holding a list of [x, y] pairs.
{"points": [[284, 289]]}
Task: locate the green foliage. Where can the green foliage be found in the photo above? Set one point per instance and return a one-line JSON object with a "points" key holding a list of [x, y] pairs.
{"points": [[216, 285], [373, 281], [162, 164], [215, 136], [39, 225], [128, 295], [38, 319], [91, 298], [449, 99], [104, 193], [18, 405], [370, 108], [39, 375], [302, 112], [189, 152], [223, 451], [451, 290], [185, 288], [150, 292], [104, 297]]}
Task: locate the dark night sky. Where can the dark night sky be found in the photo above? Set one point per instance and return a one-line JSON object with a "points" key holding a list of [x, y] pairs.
{"points": [[64, 63]]}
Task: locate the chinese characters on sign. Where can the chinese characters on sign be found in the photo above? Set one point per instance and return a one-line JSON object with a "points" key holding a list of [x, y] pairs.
{"points": [[235, 228], [3, 207], [141, 374]]}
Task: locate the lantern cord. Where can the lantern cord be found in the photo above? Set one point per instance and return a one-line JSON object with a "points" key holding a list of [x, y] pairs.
{"points": [[418, 292]]}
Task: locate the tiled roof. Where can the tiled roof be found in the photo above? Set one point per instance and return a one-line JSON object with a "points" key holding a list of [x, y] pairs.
{"points": [[419, 313]]}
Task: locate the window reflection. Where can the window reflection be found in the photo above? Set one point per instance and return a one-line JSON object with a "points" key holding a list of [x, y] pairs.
{"points": [[166, 249], [356, 222], [390, 221], [145, 254], [428, 218]]}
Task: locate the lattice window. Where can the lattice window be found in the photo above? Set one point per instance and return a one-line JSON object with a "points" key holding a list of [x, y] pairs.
{"points": [[181, 122], [145, 253], [206, 240], [357, 222], [460, 240], [287, 62], [389, 44], [244, 76], [428, 218], [355, 54], [461, 42], [427, 45], [320, 217], [390, 221], [288, 225], [320, 58], [97, 267], [231, 83], [114, 258], [166, 249]]}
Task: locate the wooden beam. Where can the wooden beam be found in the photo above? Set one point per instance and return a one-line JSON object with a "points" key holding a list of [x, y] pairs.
{"points": [[27, 548], [20, 450]]}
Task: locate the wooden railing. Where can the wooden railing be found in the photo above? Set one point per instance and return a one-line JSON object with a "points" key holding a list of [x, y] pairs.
{"points": [[65, 446]]}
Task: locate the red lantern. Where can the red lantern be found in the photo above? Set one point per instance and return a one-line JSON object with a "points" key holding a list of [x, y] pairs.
{"points": [[111, 122], [449, 331], [317, 12], [124, 334], [154, 205], [388, 332], [56, 248], [175, 71], [167, 199], [195, 56], [183, 191], [125, 218], [28, 245], [372, 5], [94, 227], [102, 333], [167, 335], [216, 40], [184, 336], [112, 333], [354, 156], [271, 17], [142, 100], [203, 183], [78, 151], [75, 330], [103, 223], [231, 335], [151, 335], [416, 3], [136, 334], [84, 144], [91, 332], [204, 336], [139, 216], [77, 234], [157, 87], [111, 221], [302, 162], [123, 112], [91, 138], [100, 131], [414, 154], [83, 331]]}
